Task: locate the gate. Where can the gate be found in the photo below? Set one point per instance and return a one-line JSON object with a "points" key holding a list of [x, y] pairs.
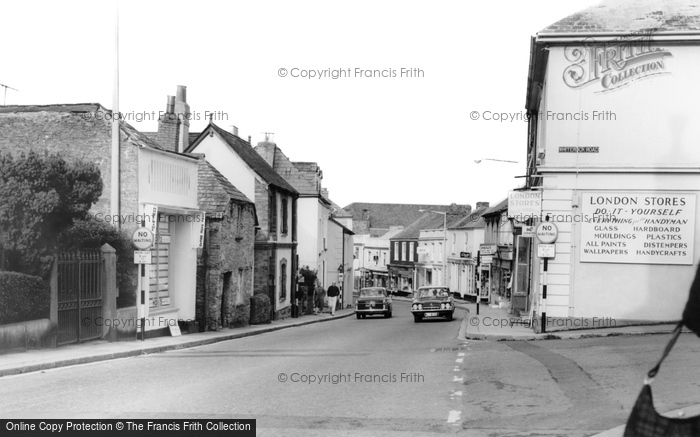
{"points": [[79, 296]]}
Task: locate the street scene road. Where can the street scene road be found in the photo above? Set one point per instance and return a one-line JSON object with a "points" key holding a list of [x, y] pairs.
{"points": [[373, 376]]}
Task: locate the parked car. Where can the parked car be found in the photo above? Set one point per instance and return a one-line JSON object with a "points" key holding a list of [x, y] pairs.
{"points": [[371, 301], [432, 302]]}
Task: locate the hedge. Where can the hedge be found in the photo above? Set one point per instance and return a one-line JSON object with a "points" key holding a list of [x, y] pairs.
{"points": [[260, 307], [23, 298]]}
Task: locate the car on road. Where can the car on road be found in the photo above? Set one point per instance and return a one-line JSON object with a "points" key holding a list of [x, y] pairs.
{"points": [[371, 301], [432, 302]]}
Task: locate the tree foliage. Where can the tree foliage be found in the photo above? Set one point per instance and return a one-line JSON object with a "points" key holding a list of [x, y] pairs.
{"points": [[92, 234], [39, 197]]}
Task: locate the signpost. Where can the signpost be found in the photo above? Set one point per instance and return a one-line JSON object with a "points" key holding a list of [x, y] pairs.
{"points": [[547, 234], [142, 239]]}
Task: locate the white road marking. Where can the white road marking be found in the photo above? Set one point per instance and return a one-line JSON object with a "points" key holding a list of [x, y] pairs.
{"points": [[454, 416], [459, 360], [457, 379], [461, 354]]}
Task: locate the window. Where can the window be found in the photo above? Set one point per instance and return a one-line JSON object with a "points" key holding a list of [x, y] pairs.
{"points": [[283, 279], [403, 251], [383, 258], [285, 217], [396, 250], [239, 222], [159, 289], [272, 211], [454, 242], [410, 251]]}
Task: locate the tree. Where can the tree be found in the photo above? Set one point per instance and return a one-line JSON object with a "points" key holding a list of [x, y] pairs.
{"points": [[39, 197]]}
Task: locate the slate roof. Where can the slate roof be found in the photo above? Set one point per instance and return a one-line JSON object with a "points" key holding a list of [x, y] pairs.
{"points": [[302, 181], [339, 212], [385, 215], [215, 191], [428, 220], [249, 156], [129, 133], [346, 230], [473, 221], [497, 209], [624, 16]]}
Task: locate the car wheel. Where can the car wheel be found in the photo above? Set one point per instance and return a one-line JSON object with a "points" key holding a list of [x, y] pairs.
{"points": [[417, 318], [358, 316]]}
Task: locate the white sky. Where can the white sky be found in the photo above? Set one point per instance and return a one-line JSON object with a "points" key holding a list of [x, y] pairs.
{"points": [[392, 140]]}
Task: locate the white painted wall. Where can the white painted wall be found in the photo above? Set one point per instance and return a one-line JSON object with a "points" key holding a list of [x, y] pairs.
{"points": [[218, 154]]}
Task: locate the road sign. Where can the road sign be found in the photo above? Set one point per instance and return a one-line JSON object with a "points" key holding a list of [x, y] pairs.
{"points": [[528, 231], [142, 238], [546, 250], [142, 257], [547, 232]]}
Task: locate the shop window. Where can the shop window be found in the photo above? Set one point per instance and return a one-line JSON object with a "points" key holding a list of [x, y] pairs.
{"points": [[158, 284]]}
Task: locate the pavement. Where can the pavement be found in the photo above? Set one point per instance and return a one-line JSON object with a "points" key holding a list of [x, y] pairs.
{"points": [[485, 323], [89, 352], [496, 324]]}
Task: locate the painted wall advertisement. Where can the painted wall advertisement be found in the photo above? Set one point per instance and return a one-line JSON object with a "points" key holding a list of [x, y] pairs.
{"points": [[638, 228]]}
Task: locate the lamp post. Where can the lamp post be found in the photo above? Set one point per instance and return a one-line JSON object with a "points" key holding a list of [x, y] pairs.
{"points": [[499, 160], [444, 244]]}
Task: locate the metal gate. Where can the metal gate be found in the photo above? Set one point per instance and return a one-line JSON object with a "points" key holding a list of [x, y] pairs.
{"points": [[79, 296]]}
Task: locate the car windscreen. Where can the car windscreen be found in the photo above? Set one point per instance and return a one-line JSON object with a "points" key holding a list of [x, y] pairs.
{"points": [[371, 293], [432, 292]]}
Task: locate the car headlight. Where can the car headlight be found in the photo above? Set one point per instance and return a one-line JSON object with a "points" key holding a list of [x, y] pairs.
{"points": [[420, 306], [442, 306]]}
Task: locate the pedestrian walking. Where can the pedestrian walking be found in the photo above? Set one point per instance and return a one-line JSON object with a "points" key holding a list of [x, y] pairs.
{"points": [[319, 298], [333, 293]]}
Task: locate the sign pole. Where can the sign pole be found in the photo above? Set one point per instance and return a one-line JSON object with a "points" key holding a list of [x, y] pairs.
{"points": [[544, 296], [142, 239]]}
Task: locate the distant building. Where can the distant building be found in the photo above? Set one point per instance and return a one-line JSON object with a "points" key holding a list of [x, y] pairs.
{"points": [[464, 239], [376, 219]]}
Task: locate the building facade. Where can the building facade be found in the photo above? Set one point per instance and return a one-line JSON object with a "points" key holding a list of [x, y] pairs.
{"points": [[225, 262], [619, 174], [464, 239], [153, 178], [276, 207]]}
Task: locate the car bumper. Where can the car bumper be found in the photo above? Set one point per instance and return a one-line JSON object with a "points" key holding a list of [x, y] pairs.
{"points": [[433, 313], [372, 311]]}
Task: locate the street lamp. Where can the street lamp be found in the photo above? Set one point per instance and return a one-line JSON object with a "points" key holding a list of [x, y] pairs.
{"points": [[499, 160], [444, 244]]}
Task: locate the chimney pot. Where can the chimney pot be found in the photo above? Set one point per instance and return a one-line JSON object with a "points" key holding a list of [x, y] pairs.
{"points": [[170, 107], [181, 93], [234, 129]]}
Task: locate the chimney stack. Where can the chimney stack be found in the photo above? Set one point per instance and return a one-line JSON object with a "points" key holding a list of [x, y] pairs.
{"points": [[182, 110], [168, 127], [266, 149], [234, 130]]}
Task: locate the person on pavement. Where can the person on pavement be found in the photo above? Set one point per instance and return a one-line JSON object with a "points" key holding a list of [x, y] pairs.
{"points": [[333, 293], [319, 298]]}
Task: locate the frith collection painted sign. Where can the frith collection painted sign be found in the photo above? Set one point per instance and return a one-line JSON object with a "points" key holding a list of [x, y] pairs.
{"points": [[638, 228], [613, 64]]}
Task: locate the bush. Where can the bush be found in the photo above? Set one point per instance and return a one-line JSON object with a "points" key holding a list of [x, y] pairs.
{"points": [[23, 298], [260, 309], [40, 196], [241, 315], [92, 234]]}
